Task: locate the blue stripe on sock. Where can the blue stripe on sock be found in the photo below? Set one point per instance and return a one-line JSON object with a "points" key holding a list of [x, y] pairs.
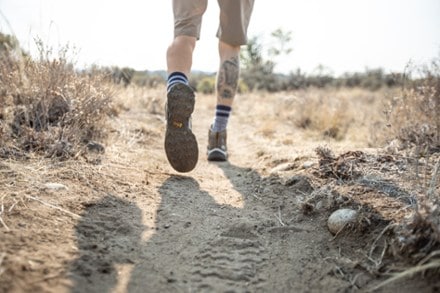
{"points": [[176, 77], [223, 107], [222, 113], [177, 73]]}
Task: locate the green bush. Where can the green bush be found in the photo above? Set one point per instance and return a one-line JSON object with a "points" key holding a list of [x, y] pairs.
{"points": [[206, 85]]}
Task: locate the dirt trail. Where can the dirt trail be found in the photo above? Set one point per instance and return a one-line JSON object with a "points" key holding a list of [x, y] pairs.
{"points": [[220, 228], [216, 229], [225, 227]]}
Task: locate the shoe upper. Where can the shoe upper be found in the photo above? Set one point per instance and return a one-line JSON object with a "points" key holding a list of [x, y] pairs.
{"points": [[217, 145]]}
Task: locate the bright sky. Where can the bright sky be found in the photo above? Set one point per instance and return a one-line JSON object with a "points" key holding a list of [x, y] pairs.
{"points": [[342, 35]]}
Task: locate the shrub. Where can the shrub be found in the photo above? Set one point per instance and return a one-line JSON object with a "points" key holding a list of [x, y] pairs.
{"points": [[148, 79], [48, 107], [325, 114], [206, 85], [414, 116], [242, 87]]}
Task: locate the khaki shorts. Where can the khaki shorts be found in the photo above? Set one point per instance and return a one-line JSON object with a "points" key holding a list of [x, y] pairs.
{"points": [[234, 19]]}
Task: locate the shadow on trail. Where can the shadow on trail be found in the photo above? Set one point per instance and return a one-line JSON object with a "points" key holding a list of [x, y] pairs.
{"points": [[198, 244], [108, 234]]}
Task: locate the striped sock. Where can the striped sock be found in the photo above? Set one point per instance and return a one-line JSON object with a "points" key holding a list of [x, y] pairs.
{"points": [[221, 118], [176, 77]]}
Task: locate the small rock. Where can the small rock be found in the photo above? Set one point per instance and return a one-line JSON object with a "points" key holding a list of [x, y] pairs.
{"points": [[308, 164], [55, 186], [339, 218]]}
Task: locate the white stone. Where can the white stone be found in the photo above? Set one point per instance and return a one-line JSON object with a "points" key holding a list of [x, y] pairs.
{"points": [[308, 164], [339, 218], [55, 186]]}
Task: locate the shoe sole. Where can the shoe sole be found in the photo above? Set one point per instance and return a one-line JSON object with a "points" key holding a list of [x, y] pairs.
{"points": [[217, 155], [180, 143]]}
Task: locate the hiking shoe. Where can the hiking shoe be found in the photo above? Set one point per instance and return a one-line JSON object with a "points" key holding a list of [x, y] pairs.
{"points": [[180, 143], [217, 150]]}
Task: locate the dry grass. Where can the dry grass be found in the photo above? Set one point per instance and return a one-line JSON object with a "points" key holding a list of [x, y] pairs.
{"points": [[414, 114], [48, 107], [415, 123], [325, 114], [355, 116], [140, 98]]}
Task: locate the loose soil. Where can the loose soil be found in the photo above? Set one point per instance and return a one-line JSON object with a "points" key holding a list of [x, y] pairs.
{"points": [[127, 222]]}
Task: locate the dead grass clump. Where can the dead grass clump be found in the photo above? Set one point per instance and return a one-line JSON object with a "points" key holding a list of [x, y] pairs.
{"points": [[48, 107], [324, 199], [416, 242], [415, 122], [327, 115], [417, 239], [343, 167], [421, 235], [414, 116], [352, 115]]}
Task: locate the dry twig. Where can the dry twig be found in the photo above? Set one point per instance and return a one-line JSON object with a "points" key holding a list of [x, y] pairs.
{"points": [[2, 257], [407, 273], [55, 207], [279, 217], [373, 245], [434, 180], [1, 219]]}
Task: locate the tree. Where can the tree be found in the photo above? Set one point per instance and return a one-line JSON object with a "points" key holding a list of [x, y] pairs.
{"points": [[281, 43], [258, 72]]}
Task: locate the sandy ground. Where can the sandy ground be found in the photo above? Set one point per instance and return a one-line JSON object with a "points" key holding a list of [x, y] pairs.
{"points": [[127, 222]]}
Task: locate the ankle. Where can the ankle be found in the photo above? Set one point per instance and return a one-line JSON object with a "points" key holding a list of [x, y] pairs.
{"points": [[176, 77]]}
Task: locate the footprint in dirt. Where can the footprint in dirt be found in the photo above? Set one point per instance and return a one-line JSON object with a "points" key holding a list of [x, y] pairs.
{"points": [[199, 246], [108, 234]]}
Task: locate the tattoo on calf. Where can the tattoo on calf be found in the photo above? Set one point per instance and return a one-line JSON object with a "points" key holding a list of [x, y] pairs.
{"points": [[227, 79]]}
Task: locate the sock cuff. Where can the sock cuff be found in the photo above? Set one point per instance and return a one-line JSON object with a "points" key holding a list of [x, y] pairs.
{"points": [[177, 74], [222, 111], [176, 77], [223, 108]]}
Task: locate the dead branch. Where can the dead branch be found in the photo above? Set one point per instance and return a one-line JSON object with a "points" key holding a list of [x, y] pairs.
{"points": [[54, 207]]}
